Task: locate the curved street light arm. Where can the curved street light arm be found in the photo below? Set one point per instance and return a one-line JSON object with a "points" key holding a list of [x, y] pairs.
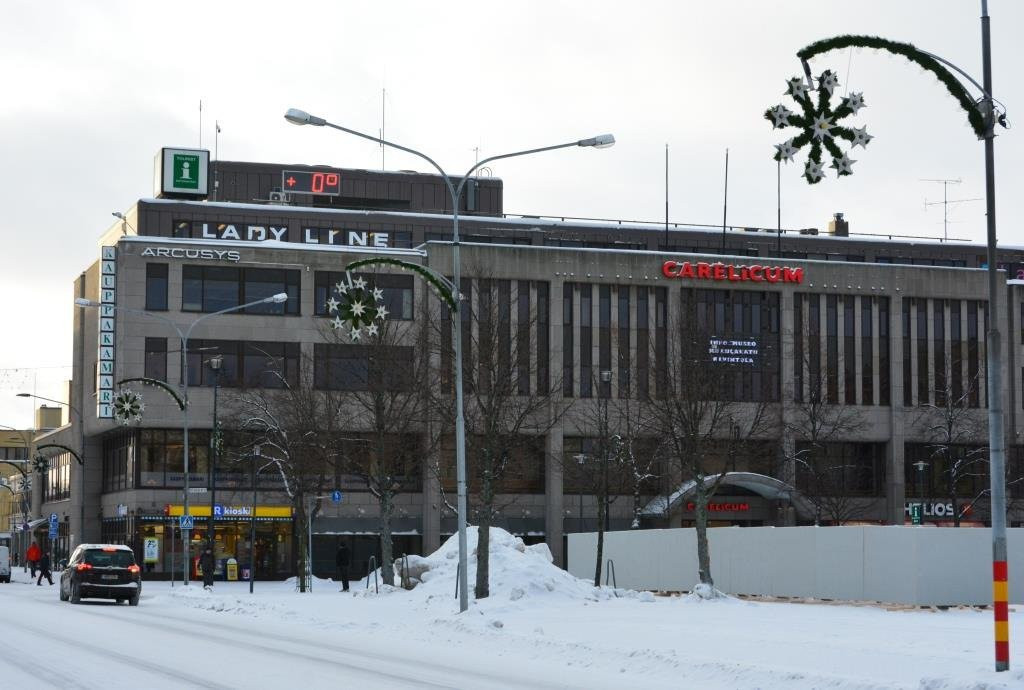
{"points": [[64, 448], [24, 474], [166, 387]]}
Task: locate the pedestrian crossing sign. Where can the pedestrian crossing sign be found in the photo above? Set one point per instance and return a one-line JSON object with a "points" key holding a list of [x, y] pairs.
{"points": [[185, 522]]}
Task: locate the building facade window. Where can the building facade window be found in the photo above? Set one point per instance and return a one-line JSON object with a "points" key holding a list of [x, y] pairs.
{"points": [[625, 357], [884, 367], [849, 350], [867, 351], [831, 350], [212, 288], [568, 360], [156, 287], [155, 366], [57, 484], [586, 341], [361, 367], [244, 364], [923, 389], [397, 291], [119, 460], [908, 371]]}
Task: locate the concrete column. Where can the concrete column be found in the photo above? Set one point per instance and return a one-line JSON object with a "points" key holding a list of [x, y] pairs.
{"points": [[430, 520], [895, 484], [787, 372], [553, 495]]}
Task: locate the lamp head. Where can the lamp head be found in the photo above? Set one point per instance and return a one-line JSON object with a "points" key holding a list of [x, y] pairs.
{"points": [[277, 299], [83, 302], [602, 141], [216, 362], [24, 395], [118, 215], [301, 117]]}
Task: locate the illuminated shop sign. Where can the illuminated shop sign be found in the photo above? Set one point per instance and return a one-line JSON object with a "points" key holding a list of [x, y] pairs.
{"points": [[733, 350], [937, 509], [190, 253], [756, 273], [721, 507]]}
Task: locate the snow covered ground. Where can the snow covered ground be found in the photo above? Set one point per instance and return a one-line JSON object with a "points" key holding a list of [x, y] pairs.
{"points": [[541, 628]]}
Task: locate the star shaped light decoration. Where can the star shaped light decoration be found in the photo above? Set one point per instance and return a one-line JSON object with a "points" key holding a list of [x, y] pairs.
{"points": [[820, 124], [355, 308], [128, 406]]}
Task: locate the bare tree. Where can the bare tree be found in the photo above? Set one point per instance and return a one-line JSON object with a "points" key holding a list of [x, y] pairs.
{"points": [[297, 425], [614, 460], [816, 426], [955, 431], [691, 411], [388, 413], [507, 402]]}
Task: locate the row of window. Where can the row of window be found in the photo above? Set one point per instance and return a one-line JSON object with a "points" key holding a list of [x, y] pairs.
{"points": [[243, 364], [208, 289]]}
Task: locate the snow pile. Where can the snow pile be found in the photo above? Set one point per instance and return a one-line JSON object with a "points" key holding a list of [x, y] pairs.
{"points": [[517, 572]]}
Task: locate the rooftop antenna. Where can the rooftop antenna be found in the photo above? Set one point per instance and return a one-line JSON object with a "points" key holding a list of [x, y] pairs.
{"points": [[725, 198], [200, 123], [382, 147], [946, 201], [666, 197]]}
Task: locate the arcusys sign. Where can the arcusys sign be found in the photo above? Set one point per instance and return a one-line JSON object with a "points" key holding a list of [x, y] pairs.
{"points": [[756, 273]]}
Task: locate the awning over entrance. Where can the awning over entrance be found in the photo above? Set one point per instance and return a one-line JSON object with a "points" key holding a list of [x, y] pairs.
{"points": [[760, 484]]}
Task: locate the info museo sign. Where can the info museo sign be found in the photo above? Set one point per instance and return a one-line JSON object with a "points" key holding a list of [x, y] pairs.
{"points": [[755, 273]]}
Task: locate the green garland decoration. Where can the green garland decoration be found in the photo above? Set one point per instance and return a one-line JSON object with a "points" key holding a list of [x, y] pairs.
{"points": [[159, 384], [952, 84], [440, 288], [819, 122], [64, 448]]}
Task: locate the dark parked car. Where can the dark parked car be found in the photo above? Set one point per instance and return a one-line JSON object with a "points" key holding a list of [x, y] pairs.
{"points": [[101, 571]]}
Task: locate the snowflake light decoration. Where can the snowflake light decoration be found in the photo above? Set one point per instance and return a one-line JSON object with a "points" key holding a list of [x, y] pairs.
{"points": [[128, 406], [820, 125], [357, 308]]}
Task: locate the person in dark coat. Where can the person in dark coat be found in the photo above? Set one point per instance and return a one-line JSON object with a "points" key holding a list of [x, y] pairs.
{"points": [[343, 560], [44, 570], [208, 565]]}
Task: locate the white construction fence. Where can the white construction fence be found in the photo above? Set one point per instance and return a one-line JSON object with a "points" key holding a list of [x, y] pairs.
{"points": [[906, 565]]}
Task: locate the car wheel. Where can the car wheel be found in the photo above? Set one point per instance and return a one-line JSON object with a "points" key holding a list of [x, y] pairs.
{"points": [[63, 596], [76, 593], [134, 601]]}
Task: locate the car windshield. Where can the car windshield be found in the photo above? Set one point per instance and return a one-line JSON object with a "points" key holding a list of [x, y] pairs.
{"points": [[99, 558]]}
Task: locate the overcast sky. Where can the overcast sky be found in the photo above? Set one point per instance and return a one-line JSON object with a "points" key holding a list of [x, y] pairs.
{"points": [[92, 90]]}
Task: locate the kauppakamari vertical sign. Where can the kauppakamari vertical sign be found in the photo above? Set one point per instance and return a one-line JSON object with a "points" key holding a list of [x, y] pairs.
{"points": [[105, 358]]}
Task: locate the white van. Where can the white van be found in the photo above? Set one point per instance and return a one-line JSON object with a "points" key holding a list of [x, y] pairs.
{"points": [[5, 564]]}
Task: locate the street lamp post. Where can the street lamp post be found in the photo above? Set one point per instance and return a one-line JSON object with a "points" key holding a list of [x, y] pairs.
{"points": [[921, 466], [183, 337], [215, 364], [81, 447], [300, 117]]}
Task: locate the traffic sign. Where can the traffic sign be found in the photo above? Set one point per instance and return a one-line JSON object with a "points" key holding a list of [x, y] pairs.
{"points": [[185, 522], [53, 518], [336, 496]]}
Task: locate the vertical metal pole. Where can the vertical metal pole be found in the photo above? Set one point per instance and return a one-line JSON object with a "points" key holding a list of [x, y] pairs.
{"points": [[666, 197], [778, 206], [725, 198], [185, 538], [252, 522], [212, 524], [997, 451], [460, 421]]}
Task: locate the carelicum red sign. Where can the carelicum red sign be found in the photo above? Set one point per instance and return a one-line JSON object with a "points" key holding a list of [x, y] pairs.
{"points": [[755, 273]]}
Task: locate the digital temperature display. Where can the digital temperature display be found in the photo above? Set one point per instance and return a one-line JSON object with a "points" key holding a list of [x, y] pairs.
{"points": [[309, 182]]}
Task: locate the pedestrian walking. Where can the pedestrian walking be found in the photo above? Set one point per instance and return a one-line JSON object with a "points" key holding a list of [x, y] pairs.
{"points": [[44, 570], [207, 563], [342, 559], [32, 556]]}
